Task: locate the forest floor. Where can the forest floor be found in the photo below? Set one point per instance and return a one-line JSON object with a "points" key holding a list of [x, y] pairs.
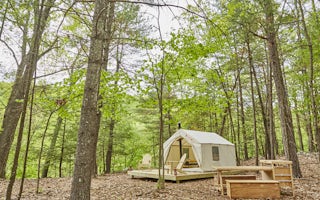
{"points": [[121, 186]]}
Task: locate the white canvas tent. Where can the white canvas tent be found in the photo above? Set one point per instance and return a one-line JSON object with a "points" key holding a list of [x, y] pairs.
{"points": [[204, 150]]}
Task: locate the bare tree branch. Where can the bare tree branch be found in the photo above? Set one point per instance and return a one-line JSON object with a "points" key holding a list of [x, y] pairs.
{"points": [[11, 50]]}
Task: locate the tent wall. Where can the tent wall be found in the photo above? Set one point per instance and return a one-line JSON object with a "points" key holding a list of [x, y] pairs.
{"points": [[226, 156]]}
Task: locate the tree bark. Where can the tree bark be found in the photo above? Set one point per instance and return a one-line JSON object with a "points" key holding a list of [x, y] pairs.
{"points": [[90, 113], [28, 137], [108, 160], [269, 112], [19, 139], [256, 144], [285, 112], [62, 148], [20, 89], [110, 146]]}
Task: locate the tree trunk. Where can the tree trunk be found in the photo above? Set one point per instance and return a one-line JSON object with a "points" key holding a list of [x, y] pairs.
{"points": [[285, 112], [269, 112], [19, 139], [62, 148], [119, 54], [263, 110], [309, 132], [20, 89], [307, 91], [90, 113], [312, 93], [28, 137], [110, 146], [243, 125], [298, 125], [256, 144], [108, 158], [41, 150], [51, 149]]}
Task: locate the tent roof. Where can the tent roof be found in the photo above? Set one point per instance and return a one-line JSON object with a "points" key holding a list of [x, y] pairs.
{"points": [[203, 137]]}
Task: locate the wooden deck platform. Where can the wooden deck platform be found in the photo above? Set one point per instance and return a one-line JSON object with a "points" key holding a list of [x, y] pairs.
{"points": [[187, 175]]}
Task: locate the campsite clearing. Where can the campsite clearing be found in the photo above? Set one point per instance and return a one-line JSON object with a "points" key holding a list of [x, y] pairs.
{"points": [[121, 186]]}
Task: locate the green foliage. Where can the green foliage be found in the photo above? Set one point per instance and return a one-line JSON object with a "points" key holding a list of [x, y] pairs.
{"points": [[198, 68]]}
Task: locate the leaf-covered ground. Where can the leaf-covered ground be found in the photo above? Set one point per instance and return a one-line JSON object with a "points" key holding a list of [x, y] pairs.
{"points": [[121, 186]]}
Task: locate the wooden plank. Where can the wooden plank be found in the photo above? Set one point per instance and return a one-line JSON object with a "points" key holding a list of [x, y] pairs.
{"points": [[238, 177], [253, 189], [282, 170], [287, 177], [243, 168], [253, 181], [287, 162]]}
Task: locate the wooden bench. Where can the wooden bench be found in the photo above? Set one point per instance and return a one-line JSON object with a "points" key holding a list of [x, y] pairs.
{"points": [[224, 178], [220, 169], [253, 189]]}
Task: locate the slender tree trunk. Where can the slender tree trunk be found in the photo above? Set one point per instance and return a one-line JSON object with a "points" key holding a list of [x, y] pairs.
{"points": [[28, 137], [243, 125], [108, 159], [161, 180], [309, 132], [285, 112], [254, 115], [313, 96], [20, 88], [119, 54], [238, 140], [307, 91], [90, 113], [41, 150], [233, 134], [298, 125], [269, 111], [46, 166], [62, 148], [110, 146], [19, 139], [223, 122], [263, 110], [4, 18]]}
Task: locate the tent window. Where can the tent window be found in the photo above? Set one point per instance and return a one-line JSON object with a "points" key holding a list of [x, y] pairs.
{"points": [[185, 151], [215, 154]]}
